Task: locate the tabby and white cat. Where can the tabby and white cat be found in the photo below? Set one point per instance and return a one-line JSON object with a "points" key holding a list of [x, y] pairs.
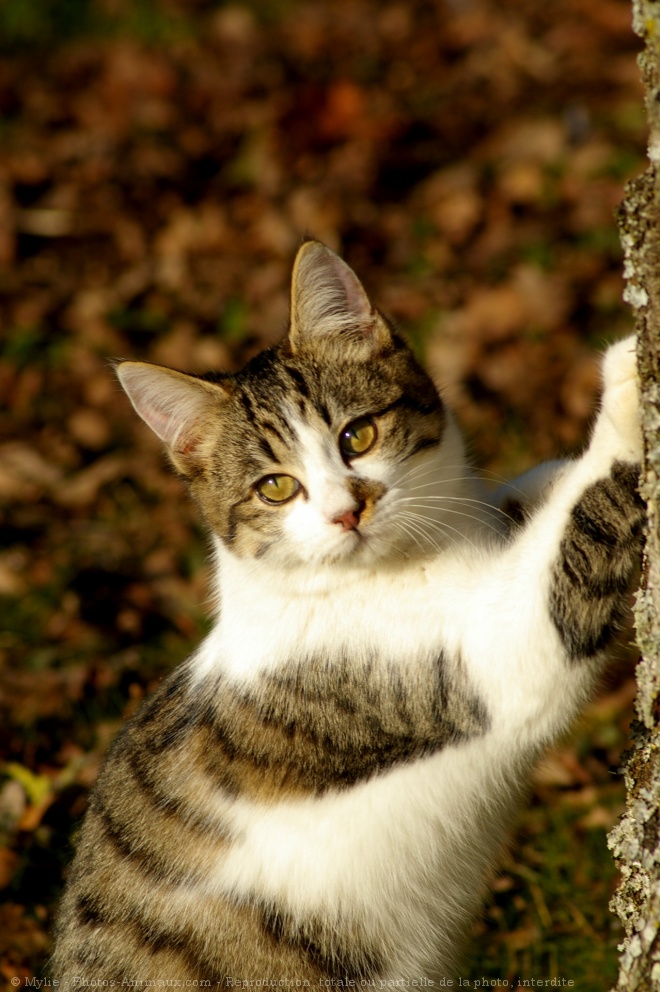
{"points": [[318, 794]]}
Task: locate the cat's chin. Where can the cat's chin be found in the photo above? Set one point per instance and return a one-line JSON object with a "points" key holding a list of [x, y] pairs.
{"points": [[369, 550], [352, 550], [378, 544]]}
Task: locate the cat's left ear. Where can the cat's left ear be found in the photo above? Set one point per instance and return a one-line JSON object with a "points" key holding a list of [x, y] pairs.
{"points": [[329, 306]]}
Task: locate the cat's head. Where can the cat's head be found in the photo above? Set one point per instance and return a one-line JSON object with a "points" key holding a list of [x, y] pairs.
{"points": [[332, 447]]}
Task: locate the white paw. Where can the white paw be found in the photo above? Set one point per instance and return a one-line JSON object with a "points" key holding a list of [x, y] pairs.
{"points": [[618, 425], [620, 364]]}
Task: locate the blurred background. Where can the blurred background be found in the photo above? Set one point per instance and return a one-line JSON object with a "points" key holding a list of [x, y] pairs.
{"points": [[160, 161]]}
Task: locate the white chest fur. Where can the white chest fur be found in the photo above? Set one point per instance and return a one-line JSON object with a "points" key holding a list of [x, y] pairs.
{"points": [[268, 618], [387, 849]]}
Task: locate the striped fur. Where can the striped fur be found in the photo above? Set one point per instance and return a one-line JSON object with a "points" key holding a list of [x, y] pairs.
{"points": [[320, 792], [598, 558]]}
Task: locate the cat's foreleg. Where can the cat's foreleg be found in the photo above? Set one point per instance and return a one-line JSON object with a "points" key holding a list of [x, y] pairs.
{"points": [[600, 548], [557, 594]]}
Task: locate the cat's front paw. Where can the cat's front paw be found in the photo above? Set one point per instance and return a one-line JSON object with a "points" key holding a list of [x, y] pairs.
{"points": [[618, 427]]}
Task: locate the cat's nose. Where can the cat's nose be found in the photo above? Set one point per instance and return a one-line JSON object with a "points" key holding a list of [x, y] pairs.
{"points": [[350, 519]]}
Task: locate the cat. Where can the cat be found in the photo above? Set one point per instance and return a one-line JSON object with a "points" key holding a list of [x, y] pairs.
{"points": [[317, 796]]}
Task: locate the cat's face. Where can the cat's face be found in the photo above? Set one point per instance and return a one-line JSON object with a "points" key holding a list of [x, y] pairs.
{"points": [[323, 450]]}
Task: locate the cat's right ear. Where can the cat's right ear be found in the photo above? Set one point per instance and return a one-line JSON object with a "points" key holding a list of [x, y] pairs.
{"points": [[178, 407], [330, 309]]}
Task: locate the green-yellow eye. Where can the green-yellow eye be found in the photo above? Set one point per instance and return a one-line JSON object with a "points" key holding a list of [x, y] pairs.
{"points": [[277, 488], [357, 437]]}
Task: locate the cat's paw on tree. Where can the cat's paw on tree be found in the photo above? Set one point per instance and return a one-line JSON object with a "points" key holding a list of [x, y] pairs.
{"points": [[618, 426]]}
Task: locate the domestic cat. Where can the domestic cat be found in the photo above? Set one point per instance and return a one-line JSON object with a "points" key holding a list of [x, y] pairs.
{"points": [[318, 794]]}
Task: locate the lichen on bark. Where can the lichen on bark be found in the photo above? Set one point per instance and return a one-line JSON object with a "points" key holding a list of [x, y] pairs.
{"points": [[635, 841]]}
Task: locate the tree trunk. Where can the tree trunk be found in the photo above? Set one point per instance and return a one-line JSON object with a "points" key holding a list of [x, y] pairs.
{"points": [[636, 840]]}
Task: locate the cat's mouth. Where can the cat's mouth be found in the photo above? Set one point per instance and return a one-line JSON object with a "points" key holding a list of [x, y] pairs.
{"points": [[347, 546], [369, 545], [352, 539]]}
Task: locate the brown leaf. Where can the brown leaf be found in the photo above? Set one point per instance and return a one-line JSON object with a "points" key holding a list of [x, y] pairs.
{"points": [[82, 488], [34, 695], [9, 861]]}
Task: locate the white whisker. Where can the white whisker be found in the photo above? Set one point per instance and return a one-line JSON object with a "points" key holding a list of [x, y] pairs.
{"points": [[419, 471], [412, 527], [460, 513], [407, 528], [489, 510], [441, 526], [483, 475]]}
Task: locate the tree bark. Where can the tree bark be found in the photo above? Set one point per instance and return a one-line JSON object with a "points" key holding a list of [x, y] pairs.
{"points": [[635, 841]]}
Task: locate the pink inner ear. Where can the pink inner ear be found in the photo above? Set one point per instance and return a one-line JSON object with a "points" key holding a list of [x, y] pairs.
{"points": [[181, 434], [357, 301], [173, 405], [187, 445], [156, 418]]}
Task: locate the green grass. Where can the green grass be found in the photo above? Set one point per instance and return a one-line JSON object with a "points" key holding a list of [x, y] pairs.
{"points": [[550, 917], [29, 25]]}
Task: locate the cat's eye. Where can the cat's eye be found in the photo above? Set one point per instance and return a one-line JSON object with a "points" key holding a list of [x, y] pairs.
{"points": [[357, 437], [277, 488]]}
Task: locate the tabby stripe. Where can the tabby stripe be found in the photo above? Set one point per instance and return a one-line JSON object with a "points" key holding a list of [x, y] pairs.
{"points": [[263, 548], [336, 737], [266, 448], [268, 425], [167, 692], [321, 945], [136, 851], [164, 802], [233, 517], [598, 556], [410, 403], [263, 416], [91, 911], [176, 807], [322, 409], [248, 406], [88, 912], [170, 735], [425, 442], [300, 381]]}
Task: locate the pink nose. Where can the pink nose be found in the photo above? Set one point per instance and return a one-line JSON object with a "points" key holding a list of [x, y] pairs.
{"points": [[351, 518]]}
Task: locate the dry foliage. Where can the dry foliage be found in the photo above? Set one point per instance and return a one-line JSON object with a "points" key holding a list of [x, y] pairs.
{"points": [[466, 157]]}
